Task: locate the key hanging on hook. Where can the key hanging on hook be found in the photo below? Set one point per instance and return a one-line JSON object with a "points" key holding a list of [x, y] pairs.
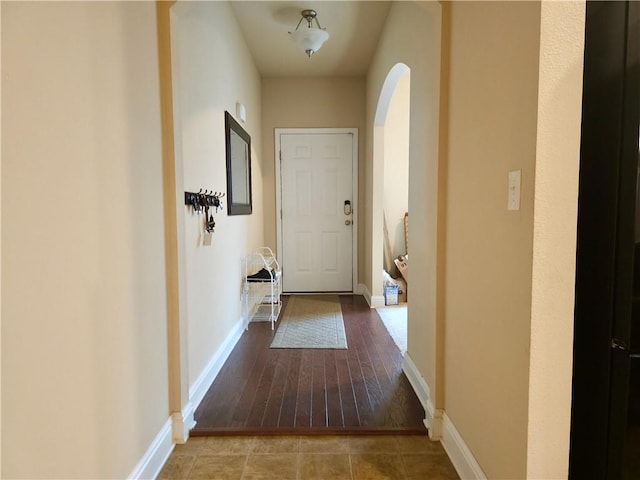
{"points": [[209, 223]]}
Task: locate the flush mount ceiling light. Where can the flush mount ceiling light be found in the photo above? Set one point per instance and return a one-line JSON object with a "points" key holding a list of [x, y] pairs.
{"points": [[309, 39]]}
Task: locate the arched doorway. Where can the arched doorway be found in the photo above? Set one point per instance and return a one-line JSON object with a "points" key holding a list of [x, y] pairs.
{"points": [[391, 198]]}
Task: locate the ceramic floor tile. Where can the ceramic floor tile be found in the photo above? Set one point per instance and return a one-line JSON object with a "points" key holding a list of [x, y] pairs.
{"points": [[436, 475], [436, 467], [275, 444], [193, 446], [447, 470], [283, 466], [418, 444], [373, 444], [309, 458], [177, 467], [218, 467], [449, 473], [377, 466], [324, 444], [324, 466], [225, 445]]}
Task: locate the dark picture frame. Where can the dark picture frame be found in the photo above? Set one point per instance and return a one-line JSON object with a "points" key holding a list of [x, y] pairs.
{"points": [[238, 145]]}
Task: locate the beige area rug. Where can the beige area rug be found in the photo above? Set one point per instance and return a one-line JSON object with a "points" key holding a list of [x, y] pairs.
{"points": [[311, 321], [395, 320]]}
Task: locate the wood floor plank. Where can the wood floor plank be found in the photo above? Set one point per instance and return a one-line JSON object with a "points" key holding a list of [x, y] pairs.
{"points": [[307, 391], [259, 405], [318, 391], [351, 418], [374, 389], [250, 390], [287, 416], [303, 402], [276, 393], [363, 403], [334, 404], [231, 385]]}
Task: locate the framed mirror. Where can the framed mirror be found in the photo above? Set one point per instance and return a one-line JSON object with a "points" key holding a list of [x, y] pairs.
{"points": [[238, 143]]}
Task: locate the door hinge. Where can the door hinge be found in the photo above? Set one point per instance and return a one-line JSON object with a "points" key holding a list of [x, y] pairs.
{"points": [[280, 214], [280, 153]]}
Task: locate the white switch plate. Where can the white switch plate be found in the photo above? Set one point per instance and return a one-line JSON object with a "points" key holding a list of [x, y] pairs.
{"points": [[513, 203], [241, 112]]}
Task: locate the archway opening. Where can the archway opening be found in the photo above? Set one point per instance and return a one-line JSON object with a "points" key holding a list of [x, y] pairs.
{"points": [[391, 201]]}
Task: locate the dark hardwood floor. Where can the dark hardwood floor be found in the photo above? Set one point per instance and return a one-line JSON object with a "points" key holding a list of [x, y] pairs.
{"points": [[313, 391]]}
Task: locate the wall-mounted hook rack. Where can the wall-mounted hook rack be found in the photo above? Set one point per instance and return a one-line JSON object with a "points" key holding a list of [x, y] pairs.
{"points": [[203, 200]]}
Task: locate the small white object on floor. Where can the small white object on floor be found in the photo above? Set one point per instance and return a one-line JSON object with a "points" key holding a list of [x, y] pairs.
{"points": [[395, 320]]}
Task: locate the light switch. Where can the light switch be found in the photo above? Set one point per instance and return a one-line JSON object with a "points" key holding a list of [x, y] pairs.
{"points": [[513, 203]]}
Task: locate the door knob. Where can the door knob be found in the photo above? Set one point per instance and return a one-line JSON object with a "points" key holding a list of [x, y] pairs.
{"points": [[347, 222]]}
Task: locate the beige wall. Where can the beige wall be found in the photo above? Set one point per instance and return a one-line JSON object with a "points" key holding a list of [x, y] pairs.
{"points": [[396, 164], [308, 103], [554, 237], [212, 71], [412, 36], [514, 104], [492, 129], [84, 364]]}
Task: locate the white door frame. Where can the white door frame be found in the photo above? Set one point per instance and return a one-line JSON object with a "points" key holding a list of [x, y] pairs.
{"points": [[354, 200]]}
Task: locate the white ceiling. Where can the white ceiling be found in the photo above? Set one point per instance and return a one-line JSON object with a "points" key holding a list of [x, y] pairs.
{"points": [[353, 26]]}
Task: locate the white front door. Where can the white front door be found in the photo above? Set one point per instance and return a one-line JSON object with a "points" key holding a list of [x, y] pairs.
{"points": [[316, 175]]}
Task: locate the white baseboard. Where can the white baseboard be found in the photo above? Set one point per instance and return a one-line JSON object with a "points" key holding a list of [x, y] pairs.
{"points": [[156, 455], [361, 289], [182, 422], [199, 388], [377, 301], [441, 427], [432, 416], [374, 301], [176, 428], [416, 380], [434, 421], [463, 460]]}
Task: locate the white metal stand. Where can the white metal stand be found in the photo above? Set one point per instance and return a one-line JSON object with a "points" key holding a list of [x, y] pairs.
{"points": [[261, 298]]}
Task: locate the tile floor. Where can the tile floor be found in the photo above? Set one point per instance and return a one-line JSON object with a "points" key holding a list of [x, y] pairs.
{"points": [[402, 457]]}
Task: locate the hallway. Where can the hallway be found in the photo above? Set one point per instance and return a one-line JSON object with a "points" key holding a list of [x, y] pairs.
{"points": [[121, 317], [358, 390]]}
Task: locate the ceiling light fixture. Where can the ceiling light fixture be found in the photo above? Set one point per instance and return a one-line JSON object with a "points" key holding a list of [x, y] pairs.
{"points": [[309, 39]]}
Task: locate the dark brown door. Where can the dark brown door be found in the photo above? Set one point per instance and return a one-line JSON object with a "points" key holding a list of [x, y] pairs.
{"points": [[603, 402]]}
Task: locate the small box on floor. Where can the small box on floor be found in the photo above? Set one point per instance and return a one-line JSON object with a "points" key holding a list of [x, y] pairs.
{"points": [[391, 294]]}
